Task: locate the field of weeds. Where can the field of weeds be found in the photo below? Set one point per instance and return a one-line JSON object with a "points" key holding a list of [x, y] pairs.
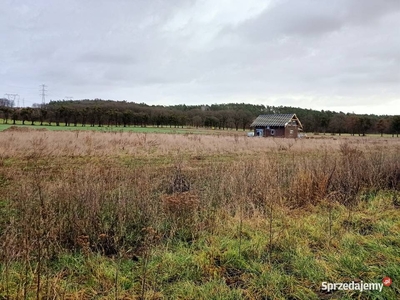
{"points": [[93, 215]]}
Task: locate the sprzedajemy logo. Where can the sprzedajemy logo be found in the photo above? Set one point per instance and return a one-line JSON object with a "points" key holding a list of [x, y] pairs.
{"points": [[356, 286]]}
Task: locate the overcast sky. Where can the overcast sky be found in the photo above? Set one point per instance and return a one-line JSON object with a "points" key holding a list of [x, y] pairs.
{"points": [[341, 55]]}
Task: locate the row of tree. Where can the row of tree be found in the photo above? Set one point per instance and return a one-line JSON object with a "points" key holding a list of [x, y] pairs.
{"points": [[222, 116]]}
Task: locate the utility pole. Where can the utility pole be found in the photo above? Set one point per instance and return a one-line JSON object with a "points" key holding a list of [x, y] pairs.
{"points": [[43, 93]]}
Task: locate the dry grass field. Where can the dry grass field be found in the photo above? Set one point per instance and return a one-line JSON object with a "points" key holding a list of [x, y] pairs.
{"points": [[22, 140], [124, 215]]}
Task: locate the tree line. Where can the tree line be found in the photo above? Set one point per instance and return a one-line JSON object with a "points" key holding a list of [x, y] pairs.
{"points": [[237, 116]]}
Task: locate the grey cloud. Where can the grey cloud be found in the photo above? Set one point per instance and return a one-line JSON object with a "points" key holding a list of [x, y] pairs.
{"points": [[321, 53], [311, 18], [109, 58]]}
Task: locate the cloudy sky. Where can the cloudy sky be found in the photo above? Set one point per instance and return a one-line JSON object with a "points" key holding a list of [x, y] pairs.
{"points": [[341, 55]]}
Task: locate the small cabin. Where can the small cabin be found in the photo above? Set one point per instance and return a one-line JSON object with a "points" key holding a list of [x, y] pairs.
{"points": [[277, 125]]}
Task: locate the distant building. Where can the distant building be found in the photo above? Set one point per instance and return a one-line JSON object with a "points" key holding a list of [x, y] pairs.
{"points": [[277, 125]]}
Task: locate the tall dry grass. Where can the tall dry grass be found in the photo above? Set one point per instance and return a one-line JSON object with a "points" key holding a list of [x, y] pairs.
{"points": [[98, 205], [92, 143]]}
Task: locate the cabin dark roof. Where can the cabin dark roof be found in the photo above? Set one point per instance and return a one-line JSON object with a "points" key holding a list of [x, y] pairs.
{"points": [[273, 120]]}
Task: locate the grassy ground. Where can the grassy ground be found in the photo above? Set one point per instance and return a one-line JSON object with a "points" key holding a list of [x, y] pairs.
{"points": [[149, 216], [221, 266], [148, 129]]}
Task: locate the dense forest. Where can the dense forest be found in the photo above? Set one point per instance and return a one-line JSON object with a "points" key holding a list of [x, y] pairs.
{"points": [[237, 116]]}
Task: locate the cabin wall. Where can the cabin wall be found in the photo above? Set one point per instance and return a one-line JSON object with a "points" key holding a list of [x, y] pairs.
{"points": [[266, 132], [291, 131], [279, 132]]}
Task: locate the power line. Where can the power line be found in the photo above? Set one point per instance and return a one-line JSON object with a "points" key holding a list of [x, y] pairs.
{"points": [[68, 97]]}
